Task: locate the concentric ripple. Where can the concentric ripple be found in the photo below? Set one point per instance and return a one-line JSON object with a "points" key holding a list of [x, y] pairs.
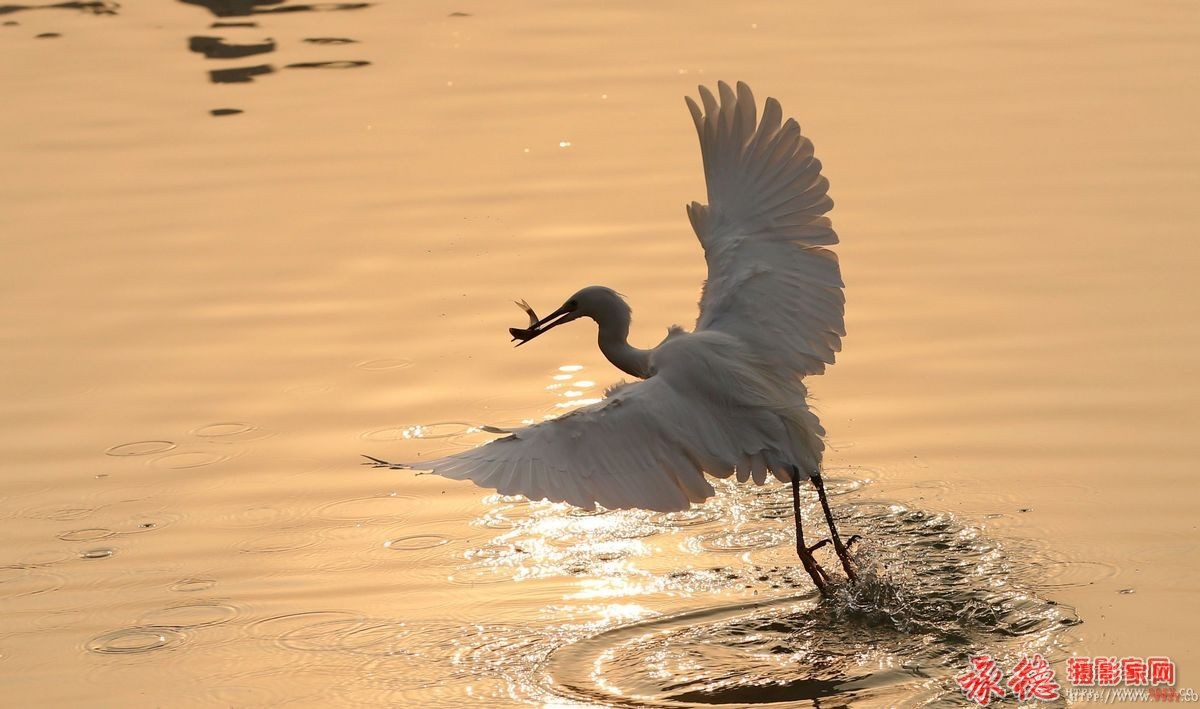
{"points": [[191, 615], [377, 509], [742, 540], [688, 518], [278, 542], [415, 542], [134, 641], [86, 535], [15, 582], [312, 622], [192, 585], [184, 460], [230, 432], [384, 364], [478, 574], [140, 448], [58, 513], [219, 430], [442, 429]]}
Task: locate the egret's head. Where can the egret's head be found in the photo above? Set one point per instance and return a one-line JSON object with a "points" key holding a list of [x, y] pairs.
{"points": [[596, 302]]}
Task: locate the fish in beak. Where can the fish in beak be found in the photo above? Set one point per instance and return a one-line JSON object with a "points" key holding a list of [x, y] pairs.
{"points": [[539, 325]]}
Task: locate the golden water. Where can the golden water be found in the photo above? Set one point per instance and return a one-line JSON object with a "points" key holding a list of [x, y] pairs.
{"points": [[206, 319]]}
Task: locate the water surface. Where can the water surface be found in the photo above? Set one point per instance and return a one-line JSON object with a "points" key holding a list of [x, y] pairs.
{"points": [[247, 241]]}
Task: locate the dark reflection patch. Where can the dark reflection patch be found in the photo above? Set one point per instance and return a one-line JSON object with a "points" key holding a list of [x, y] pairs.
{"points": [[330, 40], [240, 75], [242, 8], [95, 8], [328, 65], [218, 48]]}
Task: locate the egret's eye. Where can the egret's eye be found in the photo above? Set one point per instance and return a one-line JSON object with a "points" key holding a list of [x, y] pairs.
{"points": [[572, 305]]}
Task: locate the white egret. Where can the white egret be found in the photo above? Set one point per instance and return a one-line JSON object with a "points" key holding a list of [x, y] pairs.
{"points": [[729, 397]]}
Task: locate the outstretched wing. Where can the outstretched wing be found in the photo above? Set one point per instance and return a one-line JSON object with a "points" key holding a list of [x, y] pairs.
{"points": [[629, 450], [644, 446], [770, 281]]}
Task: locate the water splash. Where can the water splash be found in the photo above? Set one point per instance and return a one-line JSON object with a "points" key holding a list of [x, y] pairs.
{"points": [[932, 591]]}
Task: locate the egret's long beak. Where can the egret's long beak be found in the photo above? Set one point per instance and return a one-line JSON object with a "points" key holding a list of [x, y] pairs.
{"points": [[558, 317]]}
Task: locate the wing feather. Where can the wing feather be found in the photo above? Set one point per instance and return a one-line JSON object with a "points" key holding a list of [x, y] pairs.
{"points": [[770, 281], [634, 449]]}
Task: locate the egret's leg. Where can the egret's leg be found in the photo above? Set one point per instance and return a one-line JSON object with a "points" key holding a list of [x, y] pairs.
{"points": [[842, 552], [810, 564]]}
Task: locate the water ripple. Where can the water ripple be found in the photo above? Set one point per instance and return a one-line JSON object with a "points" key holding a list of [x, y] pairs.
{"points": [[192, 615], [134, 641], [140, 448], [375, 509]]}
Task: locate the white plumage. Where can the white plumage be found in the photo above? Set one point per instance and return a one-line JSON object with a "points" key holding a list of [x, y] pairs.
{"points": [[728, 398]]}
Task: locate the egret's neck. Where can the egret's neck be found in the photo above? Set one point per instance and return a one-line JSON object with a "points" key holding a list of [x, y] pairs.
{"points": [[614, 343]]}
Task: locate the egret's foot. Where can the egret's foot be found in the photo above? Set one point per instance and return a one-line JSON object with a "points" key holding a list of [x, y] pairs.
{"points": [[847, 563], [850, 573], [843, 553], [854, 539], [818, 545]]}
